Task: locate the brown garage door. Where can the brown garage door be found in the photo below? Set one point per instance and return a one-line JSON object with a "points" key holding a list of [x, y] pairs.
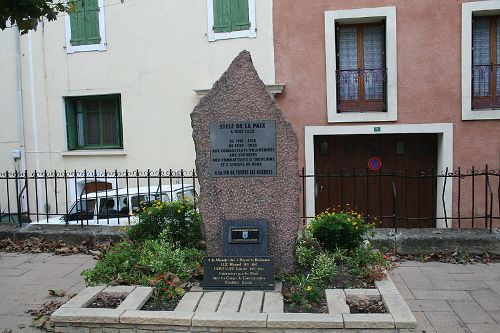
{"points": [[403, 184]]}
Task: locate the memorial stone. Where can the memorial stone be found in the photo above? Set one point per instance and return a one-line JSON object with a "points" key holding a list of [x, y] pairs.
{"points": [[247, 166]]}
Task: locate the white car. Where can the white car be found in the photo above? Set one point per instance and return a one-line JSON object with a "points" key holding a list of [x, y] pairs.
{"points": [[118, 206]]}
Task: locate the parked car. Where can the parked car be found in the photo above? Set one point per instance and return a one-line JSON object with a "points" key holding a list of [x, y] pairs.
{"points": [[118, 206]]}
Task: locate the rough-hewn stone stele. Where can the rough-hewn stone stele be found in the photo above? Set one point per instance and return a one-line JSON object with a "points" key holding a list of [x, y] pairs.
{"points": [[228, 192]]}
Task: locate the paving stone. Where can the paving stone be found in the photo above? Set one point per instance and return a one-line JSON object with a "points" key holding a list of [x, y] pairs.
{"points": [[449, 295], [189, 302], [403, 290], [136, 299], [357, 294], [225, 319], [86, 315], [230, 302], [156, 317], [423, 324], [483, 328], [477, 277], [209, 301], [414, 278], [304, 320], [459, 285], [273, 303], [252, 301], [368, 320], [446, 322], [336, 300], [401, 313], [495, 314], [495, 285], [428, 305], [471, 313], [386, 286], [84, 298], [487, 298]]}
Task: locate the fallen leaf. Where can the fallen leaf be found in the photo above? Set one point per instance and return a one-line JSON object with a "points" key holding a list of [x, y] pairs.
{"points": [[57, 292]]}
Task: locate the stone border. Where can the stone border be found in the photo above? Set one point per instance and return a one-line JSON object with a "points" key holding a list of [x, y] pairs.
{"points": [[75, 317]]}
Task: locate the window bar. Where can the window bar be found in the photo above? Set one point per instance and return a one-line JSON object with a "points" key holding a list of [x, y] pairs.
{"points": [[129, 202], [473, 195], [486, 196], [117, 198], [46, 197], [303, 197]]}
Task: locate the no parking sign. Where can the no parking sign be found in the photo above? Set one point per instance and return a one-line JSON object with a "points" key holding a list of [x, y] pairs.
{"points": [[374, 163]]}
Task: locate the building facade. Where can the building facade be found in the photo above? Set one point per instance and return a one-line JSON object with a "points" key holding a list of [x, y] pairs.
{"points": [[403, 87]]}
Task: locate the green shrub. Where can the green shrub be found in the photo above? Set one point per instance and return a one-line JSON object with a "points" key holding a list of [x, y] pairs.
{"points": [[324, 268], [368, 263], [118, 266], [161, 256], [303, 291], [128, 263], [305, 255], [339, 230], [178, 220]]}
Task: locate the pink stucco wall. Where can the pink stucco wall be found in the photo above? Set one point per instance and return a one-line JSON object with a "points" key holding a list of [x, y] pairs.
{"points": [[429, 71]]}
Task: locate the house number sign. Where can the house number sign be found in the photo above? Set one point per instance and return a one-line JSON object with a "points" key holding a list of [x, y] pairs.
{"points": [[243, 148]]}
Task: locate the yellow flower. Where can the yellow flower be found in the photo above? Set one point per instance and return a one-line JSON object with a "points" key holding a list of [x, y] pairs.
{"points": [[354, 223], [309, 288]]}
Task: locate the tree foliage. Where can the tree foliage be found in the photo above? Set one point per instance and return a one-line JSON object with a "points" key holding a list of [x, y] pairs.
{"points": [[26, 13]]}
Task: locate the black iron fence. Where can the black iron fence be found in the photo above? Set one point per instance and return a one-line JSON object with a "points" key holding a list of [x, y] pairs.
{"points": [[408, 199], [394, 199], [88, 197]]}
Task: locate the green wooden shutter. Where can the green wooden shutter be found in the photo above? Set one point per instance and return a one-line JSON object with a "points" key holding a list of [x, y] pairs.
{"points": [[239, 15], [77, 23], [92, 35], [222, 15], [71, 126]]}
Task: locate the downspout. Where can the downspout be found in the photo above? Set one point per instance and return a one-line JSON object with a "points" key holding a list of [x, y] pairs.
{"points": [[19, 95]]}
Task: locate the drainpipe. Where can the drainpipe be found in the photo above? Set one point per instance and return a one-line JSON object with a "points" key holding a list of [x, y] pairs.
{"points": [[19, 94]]}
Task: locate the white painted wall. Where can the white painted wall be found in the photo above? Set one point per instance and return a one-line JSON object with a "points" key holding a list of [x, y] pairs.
{"points": [[157, 53]]}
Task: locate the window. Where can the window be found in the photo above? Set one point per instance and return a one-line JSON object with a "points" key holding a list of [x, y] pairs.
{"points": [[231, 19], [361, 67], [360, 46], [480, 60], [94, 122], [85, 26]]}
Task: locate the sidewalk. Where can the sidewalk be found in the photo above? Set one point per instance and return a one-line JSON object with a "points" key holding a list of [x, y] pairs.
{"points": [[445, 298], [25, 279], [451, 298]]}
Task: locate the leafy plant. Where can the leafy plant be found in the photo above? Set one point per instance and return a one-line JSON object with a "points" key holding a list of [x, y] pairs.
{"points": [[339, 230], [303, 290], [368, 262], [167, 286], [179, 221], [305, 255], [324, 268]]}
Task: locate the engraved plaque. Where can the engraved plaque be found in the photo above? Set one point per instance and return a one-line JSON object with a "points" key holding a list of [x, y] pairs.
{"points": [[243, 148], [245, 235], [243, 273]]}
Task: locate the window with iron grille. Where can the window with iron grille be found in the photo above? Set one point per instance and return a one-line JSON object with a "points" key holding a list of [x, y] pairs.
{"points": [[486, 62], [361, 67], [94, 122]]}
